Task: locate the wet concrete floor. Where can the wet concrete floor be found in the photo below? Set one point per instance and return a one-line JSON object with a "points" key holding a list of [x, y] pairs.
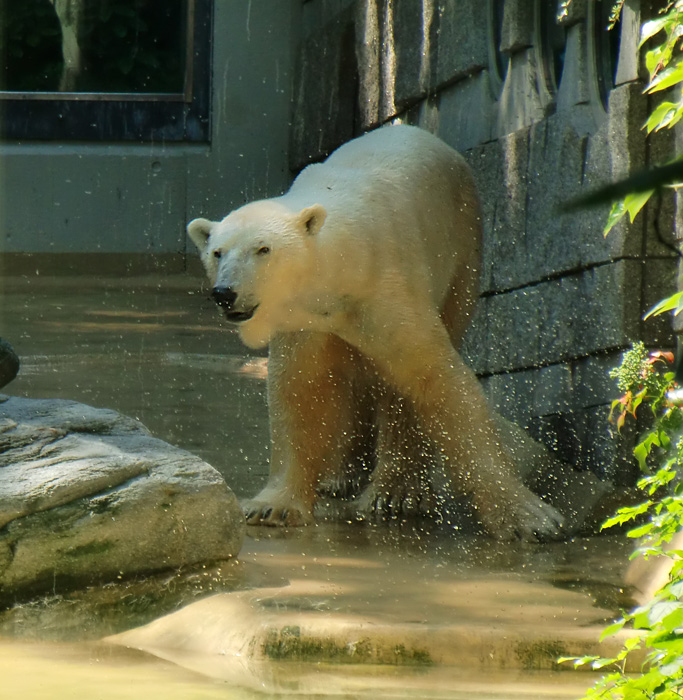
{"points": [[154, 348]]}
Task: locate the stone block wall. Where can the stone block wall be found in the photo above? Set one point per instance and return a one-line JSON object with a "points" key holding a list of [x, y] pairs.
{"points": [[543, 109]]}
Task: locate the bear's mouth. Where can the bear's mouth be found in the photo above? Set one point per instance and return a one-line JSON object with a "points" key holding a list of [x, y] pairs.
{"points": [[239, 316]]}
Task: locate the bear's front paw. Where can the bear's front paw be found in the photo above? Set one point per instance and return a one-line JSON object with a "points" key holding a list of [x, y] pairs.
{"points": [[277, 512], [521, 515]]}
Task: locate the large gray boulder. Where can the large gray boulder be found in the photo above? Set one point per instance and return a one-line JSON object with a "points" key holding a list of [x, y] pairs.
{"points": [[88, 495]]}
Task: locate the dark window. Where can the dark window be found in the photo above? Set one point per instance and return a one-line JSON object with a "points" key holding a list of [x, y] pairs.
{"points": [[105, 69], [553, 43], [607, 40], [498, 60]]}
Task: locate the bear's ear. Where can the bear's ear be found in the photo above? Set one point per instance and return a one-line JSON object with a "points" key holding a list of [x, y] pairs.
{"points": [[199, 231], [313, 218]]}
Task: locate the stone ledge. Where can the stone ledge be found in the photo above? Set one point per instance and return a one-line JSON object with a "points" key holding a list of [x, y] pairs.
{"points": [[494, 623]]}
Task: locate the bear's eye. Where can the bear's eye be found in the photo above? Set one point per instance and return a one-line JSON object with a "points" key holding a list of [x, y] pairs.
{"points": [[263, 250], [216, 253]]}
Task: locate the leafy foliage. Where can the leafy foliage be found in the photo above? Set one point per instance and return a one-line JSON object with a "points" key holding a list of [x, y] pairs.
{"points": [[664, 63], [647, 380]]}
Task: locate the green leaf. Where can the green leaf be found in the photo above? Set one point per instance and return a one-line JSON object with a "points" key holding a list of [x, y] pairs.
{"points": [[673, 303], [673, 620], [578, 660], [635, 202], [668, 613], [632, 643], [649, 29], [617, 212], [640, 452], [623, 515], [641, 620], [672, 118], [675, 589], [663, 115], [659, 56], [667, 78], [672, 668], [637, 532], [611, 630], [631, 203]]}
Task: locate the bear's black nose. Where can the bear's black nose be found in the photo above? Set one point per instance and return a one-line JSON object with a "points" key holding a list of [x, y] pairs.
{"points": [[224, 296]]}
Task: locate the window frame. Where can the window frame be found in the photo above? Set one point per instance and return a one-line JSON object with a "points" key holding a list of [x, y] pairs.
{"points": [[157, 117]]}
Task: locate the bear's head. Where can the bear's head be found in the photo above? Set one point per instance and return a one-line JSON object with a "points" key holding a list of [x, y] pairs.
{"points": [[256, 259]]}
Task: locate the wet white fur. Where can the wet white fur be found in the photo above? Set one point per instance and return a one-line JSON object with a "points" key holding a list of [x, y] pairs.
{"points": [[373, 255]]}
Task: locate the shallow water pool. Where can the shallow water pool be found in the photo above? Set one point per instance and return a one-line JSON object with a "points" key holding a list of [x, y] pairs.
{"points": [[476, 619]]}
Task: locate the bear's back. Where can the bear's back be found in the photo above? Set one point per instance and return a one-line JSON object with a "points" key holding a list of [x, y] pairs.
{"points": [[400, 162], [401, 197], [390, 150]]}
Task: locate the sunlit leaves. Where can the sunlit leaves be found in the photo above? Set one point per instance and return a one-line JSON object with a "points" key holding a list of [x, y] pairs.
{"points": [[612, 629], [670, 23], [665, 115], [657, 626], [657, 523], [631, 204], [617, 6], [666, 71], [595, 662], [640, 380], [653, 27], [658, 437], [626, 514], [617, 212], [655, 481], [666, 613], [673, 303], [664, 36], [664, 79]]}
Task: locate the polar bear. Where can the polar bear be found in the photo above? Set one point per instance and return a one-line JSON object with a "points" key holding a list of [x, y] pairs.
{"points": [[362, 278]]}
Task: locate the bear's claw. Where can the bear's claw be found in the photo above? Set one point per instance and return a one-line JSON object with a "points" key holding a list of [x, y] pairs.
{"points": [[276, 516], [524, 517], [375, 504]]}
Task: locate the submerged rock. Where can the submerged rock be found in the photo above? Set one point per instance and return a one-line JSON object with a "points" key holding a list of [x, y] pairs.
{"points": [[88, 495], [9, 363]]}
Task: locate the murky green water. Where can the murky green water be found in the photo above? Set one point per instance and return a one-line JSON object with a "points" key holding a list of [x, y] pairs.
{"points": [[154, 348]]}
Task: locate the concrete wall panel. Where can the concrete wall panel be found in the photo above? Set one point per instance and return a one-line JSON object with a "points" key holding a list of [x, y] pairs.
{"points": [[115, 198]]}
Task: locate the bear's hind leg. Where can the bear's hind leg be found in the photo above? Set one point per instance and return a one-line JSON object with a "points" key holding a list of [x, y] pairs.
{"points": [[416, 356], [400, 485]]}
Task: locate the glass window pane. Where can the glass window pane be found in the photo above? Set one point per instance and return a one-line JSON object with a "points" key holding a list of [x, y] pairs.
{"points": [[94, 46]]}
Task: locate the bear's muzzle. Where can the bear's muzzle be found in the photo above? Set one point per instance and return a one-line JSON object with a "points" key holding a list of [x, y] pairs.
{"points": [[226, 297]]}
